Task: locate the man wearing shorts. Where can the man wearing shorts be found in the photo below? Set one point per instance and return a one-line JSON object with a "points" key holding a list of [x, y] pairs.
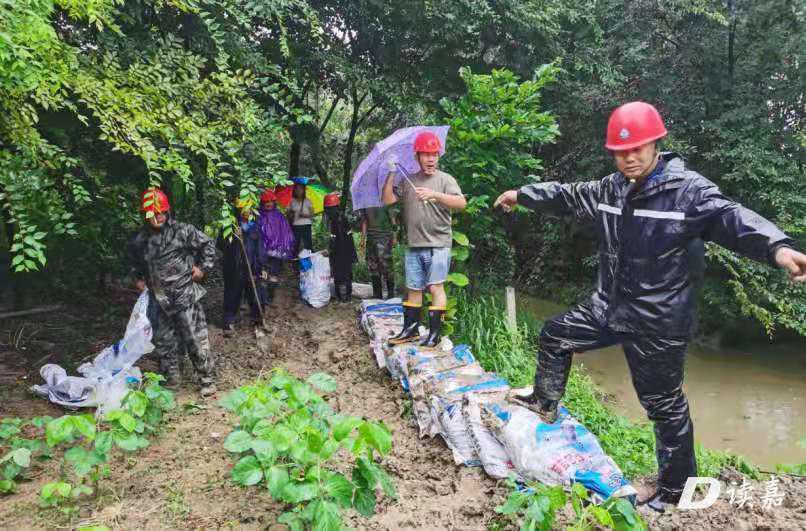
{"points": [[428, 199]]}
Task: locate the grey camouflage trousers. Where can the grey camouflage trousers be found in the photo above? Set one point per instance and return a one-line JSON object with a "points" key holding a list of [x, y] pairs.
{"points": [[184, 331]]}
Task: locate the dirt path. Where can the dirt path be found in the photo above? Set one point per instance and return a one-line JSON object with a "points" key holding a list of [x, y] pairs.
{"points": [[182, 480]]}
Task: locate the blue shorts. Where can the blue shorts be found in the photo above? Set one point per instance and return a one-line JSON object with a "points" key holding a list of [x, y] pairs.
{"points": [[427, 266]]}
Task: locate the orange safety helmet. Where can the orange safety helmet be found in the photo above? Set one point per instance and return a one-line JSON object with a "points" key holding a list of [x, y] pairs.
{"points": [[154, 200], [268, 196], [427, 142], [634, 124], [332, 199]]}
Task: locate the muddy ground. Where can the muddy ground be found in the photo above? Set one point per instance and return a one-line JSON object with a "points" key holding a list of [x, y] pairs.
{"points": [[182, 480]]}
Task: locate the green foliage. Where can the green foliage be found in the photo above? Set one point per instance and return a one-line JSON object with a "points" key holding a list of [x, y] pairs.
{"points": [[87, 444], [496, 127], [535, 507], [289, 440]]}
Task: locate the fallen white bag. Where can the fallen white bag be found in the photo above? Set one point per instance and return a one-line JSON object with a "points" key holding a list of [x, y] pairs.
{"points": [[314, 282], [105, 381]]}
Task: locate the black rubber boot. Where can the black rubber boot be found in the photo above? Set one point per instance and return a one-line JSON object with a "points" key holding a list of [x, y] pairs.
{"points": [[660, 501], [434, 328], [546, 409], [348, 292], [411, 322], [390, 287], [377, 288]]}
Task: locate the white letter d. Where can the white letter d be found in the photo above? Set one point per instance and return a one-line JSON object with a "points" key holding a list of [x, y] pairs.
{"points": [[687, 498]]}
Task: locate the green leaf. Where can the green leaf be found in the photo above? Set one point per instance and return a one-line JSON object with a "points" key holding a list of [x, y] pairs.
{"points": [[82, 460], [322, 381], [460, 254], [292, 520], [301, 392], [7, 486], [137, 402], [247, 471], [386, 482], [461, 238], [131, 442], [516, 501], [20, 457], [458, 279], [364, 501], [85, 425], [344, 426], [340, 489], [377, 436], [264, 451], [277, 478], [326, 516], [59, 430], [296, 492], [103, 442], [124, 419], [238, 441]]}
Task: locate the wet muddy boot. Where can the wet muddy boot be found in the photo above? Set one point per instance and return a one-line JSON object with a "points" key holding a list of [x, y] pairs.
{"points": [[377, 288], [207, 389], [660, 501], [434, 327], [546, 409], [390, 288], [411, 322]]}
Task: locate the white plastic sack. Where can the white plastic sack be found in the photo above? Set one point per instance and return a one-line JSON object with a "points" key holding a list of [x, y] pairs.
{"points": [[135, 344], [491, 452], [104, 382], [314, 283], [554, 454]]}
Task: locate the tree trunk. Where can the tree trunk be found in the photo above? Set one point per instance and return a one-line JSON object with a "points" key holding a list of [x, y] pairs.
{"points": [[731, 45], [293, 160], [348, 148]]}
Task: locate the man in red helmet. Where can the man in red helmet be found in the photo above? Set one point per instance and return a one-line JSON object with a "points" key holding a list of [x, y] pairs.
{"points": [[428, 199], [652, 217], [170, 258]]}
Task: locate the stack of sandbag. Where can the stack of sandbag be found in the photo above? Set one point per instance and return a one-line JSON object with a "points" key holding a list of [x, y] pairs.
{"points": [[555, 454], [381, 319], [455, 398]]}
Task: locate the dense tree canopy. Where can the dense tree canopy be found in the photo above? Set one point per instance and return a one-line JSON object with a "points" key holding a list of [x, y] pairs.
{"points": [[217, 98]]}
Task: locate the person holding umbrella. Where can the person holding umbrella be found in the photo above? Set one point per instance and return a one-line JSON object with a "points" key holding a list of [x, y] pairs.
{"points": [[652, 218], [428, 197]]}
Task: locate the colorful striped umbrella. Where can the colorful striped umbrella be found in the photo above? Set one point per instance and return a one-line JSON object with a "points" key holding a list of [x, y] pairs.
{"points": [[314, 191]]}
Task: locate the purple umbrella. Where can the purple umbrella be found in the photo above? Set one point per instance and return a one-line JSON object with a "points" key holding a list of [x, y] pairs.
{"points": [[370, 176]]}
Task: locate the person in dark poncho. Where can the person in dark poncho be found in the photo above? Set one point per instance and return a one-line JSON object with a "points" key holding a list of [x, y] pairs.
{"points": [[341, 250], [277, 238], [236, 271]]}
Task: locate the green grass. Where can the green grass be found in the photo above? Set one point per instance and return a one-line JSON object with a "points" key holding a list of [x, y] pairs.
{"points": [[481, 323]]}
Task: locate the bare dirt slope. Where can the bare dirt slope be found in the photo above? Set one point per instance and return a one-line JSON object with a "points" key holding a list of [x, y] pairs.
{"points": [[182, 480]]}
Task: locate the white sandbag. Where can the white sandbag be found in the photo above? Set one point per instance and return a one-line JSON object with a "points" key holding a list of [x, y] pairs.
{"points": [[455, 432], [491, 453], [554, 454], [314, 280], [104, 382]]}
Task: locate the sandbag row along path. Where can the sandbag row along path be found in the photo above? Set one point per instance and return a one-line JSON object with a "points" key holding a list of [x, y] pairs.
{"points": [[182, 481]]}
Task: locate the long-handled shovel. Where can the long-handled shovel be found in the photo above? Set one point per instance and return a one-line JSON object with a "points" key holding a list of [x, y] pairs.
{"points": [[260, 331]]}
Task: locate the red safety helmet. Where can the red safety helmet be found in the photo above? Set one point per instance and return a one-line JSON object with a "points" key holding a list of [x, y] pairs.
{"points": [[634, 124], [332, 199], [268, 196], [154, 200], [427, 142]]}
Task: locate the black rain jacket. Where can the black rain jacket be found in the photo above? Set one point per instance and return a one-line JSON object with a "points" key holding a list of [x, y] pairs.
{"points": [[651, 242]]}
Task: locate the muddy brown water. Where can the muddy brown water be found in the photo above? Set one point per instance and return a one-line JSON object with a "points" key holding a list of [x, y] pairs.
{"points": [[750, 400]]}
